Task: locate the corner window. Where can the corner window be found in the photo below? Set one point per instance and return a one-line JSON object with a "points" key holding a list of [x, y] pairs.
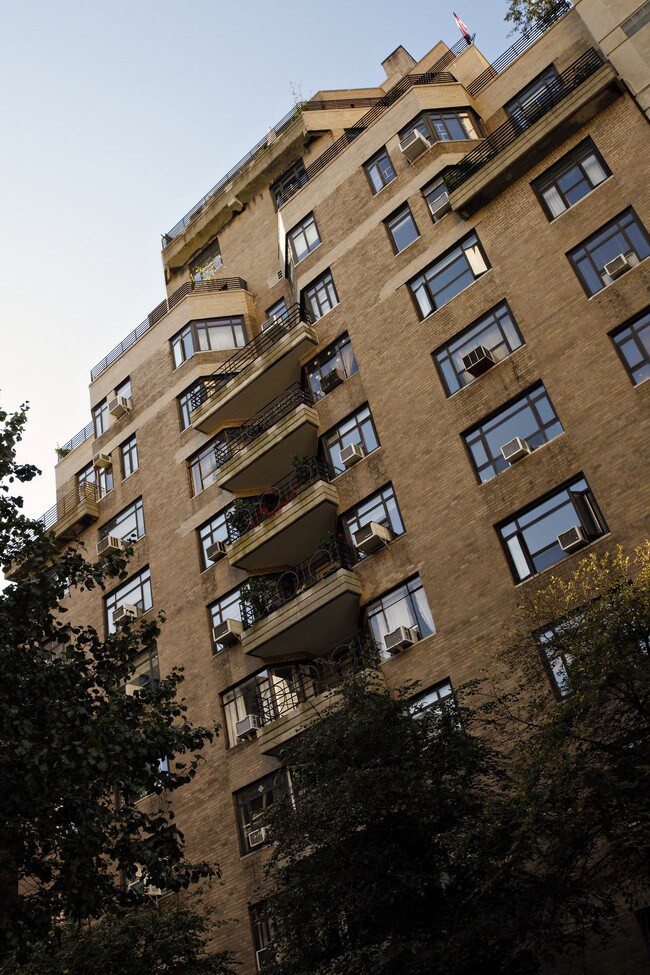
{"points": [[134, 592], [405, 606], [215, 530], [379, 170], [304, 238], [495, 334], [357, 429], [551, 529], [444, 126], [288, 182], [519, 427], [100, 417], [228, 607], [127, 525], [402, 229], [566, 183], [320, 296], [211, 335], [129, 454], [101, 476], [534, 99], [448, 275], [207, 264], [332, 367], [632, 343], [380, 508], [252, 804], [608, 254], [203, 465]]}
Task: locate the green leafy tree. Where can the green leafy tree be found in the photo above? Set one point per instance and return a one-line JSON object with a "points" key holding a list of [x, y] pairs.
{"points": [[523, 14], [76, 753]]}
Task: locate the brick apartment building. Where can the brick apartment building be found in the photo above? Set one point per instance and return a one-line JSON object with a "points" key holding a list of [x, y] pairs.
{"points": [[400, 371]]}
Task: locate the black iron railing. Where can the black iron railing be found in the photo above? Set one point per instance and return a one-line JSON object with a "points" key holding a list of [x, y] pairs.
{"points": [[190, 287], [520, 45], [232, 441], [231, 369], [254, 511], [263, 595], [327, 672], [64, 506], [505, 135], [79, 438]]}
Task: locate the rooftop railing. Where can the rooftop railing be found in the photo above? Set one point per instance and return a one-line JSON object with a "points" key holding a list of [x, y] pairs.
{"points": [[79, 438], [66, 505], [505, 135], [252, 512], [190, 287], [263, 595], [233, 441], [229, 370]]}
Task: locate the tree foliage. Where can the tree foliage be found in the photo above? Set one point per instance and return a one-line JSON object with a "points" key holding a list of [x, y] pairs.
{"points": [[76, 753], [522, 14]]}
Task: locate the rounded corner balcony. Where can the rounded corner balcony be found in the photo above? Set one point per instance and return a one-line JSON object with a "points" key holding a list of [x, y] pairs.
{"points": [[272, 360], [283, 525], [73, 512], [303, 610], [258, 453]]}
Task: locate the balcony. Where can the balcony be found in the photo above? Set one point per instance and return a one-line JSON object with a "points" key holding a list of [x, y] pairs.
{"points": [[259, 452], [304, 610], [285, 707], [74, 512], [286, 523], [271, 361], [576, 96]]}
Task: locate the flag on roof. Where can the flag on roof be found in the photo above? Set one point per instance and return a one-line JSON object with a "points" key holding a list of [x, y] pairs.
{"points": [[464, 29]]}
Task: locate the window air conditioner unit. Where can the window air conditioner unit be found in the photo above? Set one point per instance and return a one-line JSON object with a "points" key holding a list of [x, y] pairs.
{"points": [[440, 206], [573, 539], [400, 639], [372, 537], [515, 449], [257, 836], [264, 956], [273, 280], [617, 267], [414, 145], [477, 361], [109, 544], [102, 460], [215, 551], [228, 633], [120, 406], [247, 727], [352, 454], [125, 612], [332, 380]]}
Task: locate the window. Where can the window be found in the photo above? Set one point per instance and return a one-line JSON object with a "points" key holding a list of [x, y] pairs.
{"points": [[268, 695], [304, 238], [100, 417], [276, 311], [639, 19], [434, 194], [203, 465], [449, 275], [530, 417], [207, 264], [185, 401], [213, 334], [626, 236], [405, 606], [632, 342], [497, 332], [320, 296], [530, 537], [133, 592], [215, 530], [535, 98], [252, 803], [380, 508], [263, 932], [358, 429], [228, 607], [379, 170], [554, 654], [402, 229], [338, 356], [571, 179], [436, 698], [124, 389], [127, 525], [101, 476], [288, 182], [146, 675], [455, 123], [129, 452]]}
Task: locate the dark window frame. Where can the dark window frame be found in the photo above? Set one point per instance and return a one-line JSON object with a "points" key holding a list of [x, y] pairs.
{"points": [[209, 255], [373, 163], [424, 278], [333, 356], [215, 529], [100, 417], [294, 175], [396, 215], [378, 500], [198, 480], [141, 582], [642, 319], [633, 24], [112, 527], [300, 229], [524, 109], [129, 456], [124, 388], [620, 224], [101, 476], [418, 704], [275, 784], [187, 339], [312, 303], [329, 441], [572, 160], [228, 601], [424, 123], [376, 607]]}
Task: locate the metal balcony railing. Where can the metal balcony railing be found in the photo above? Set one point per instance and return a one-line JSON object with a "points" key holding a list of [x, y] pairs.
{"points": [[324, 674], [66, 505], [505, 135], [229, 370], [237, 439], [266, 594], [79, 438], [254, 511]]}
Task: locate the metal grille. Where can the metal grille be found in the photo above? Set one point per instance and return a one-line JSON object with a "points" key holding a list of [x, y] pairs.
{"points": [[88, 431], [88, 491], [233, 441]]}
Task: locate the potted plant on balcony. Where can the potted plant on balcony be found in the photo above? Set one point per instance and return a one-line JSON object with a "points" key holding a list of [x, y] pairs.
{"points": [[261, 594], [243, 516]]}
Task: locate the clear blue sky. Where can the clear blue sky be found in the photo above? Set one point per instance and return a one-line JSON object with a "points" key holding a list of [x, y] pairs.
{"points": [[116, 118]]}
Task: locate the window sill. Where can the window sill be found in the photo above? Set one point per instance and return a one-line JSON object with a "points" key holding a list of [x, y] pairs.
{"points": [[404, 249], [328, 312], [473, 383], [384, 187], [580, 553], [308, 254], [619, 279], [348, 469], [554, 220], [523, 460]]}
